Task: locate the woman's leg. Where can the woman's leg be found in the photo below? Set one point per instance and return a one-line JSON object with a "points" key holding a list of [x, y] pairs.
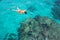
{"points": [[14, 10]]}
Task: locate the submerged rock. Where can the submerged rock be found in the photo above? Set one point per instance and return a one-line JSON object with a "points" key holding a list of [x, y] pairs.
{"points": [[39, 28]]}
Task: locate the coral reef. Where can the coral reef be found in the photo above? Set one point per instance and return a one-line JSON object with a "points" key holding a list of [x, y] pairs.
{"points": [[56, 10], [39, 28]]}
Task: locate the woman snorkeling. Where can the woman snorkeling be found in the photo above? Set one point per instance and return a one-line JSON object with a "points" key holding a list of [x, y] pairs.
{"points": [[20, 11]]}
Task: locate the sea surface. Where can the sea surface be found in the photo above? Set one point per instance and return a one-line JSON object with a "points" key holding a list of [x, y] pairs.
{"points": [[10, 20]]}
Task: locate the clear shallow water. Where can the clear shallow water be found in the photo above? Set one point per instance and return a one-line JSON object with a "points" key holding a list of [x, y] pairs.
{"points": [[10, 20]]}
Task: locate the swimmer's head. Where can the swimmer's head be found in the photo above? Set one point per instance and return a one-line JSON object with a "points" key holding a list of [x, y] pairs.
{"points": [[25, 12]]}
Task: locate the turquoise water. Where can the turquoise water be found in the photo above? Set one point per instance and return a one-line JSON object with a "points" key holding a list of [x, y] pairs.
{"points": [[10, 20]]}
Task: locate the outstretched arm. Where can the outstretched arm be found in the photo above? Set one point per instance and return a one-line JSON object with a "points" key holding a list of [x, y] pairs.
{"points": [[18, 8]]}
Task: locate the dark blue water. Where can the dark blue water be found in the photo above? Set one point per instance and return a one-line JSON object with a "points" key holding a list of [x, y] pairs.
{"points": [[10, 20]]}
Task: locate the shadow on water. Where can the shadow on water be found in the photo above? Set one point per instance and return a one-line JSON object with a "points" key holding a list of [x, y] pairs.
{"points": [[0, 0], [32, 8], [56, 10]]}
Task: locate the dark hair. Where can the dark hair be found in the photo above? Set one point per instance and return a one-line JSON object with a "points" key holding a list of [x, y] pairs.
{"points": [[25, 12]]}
